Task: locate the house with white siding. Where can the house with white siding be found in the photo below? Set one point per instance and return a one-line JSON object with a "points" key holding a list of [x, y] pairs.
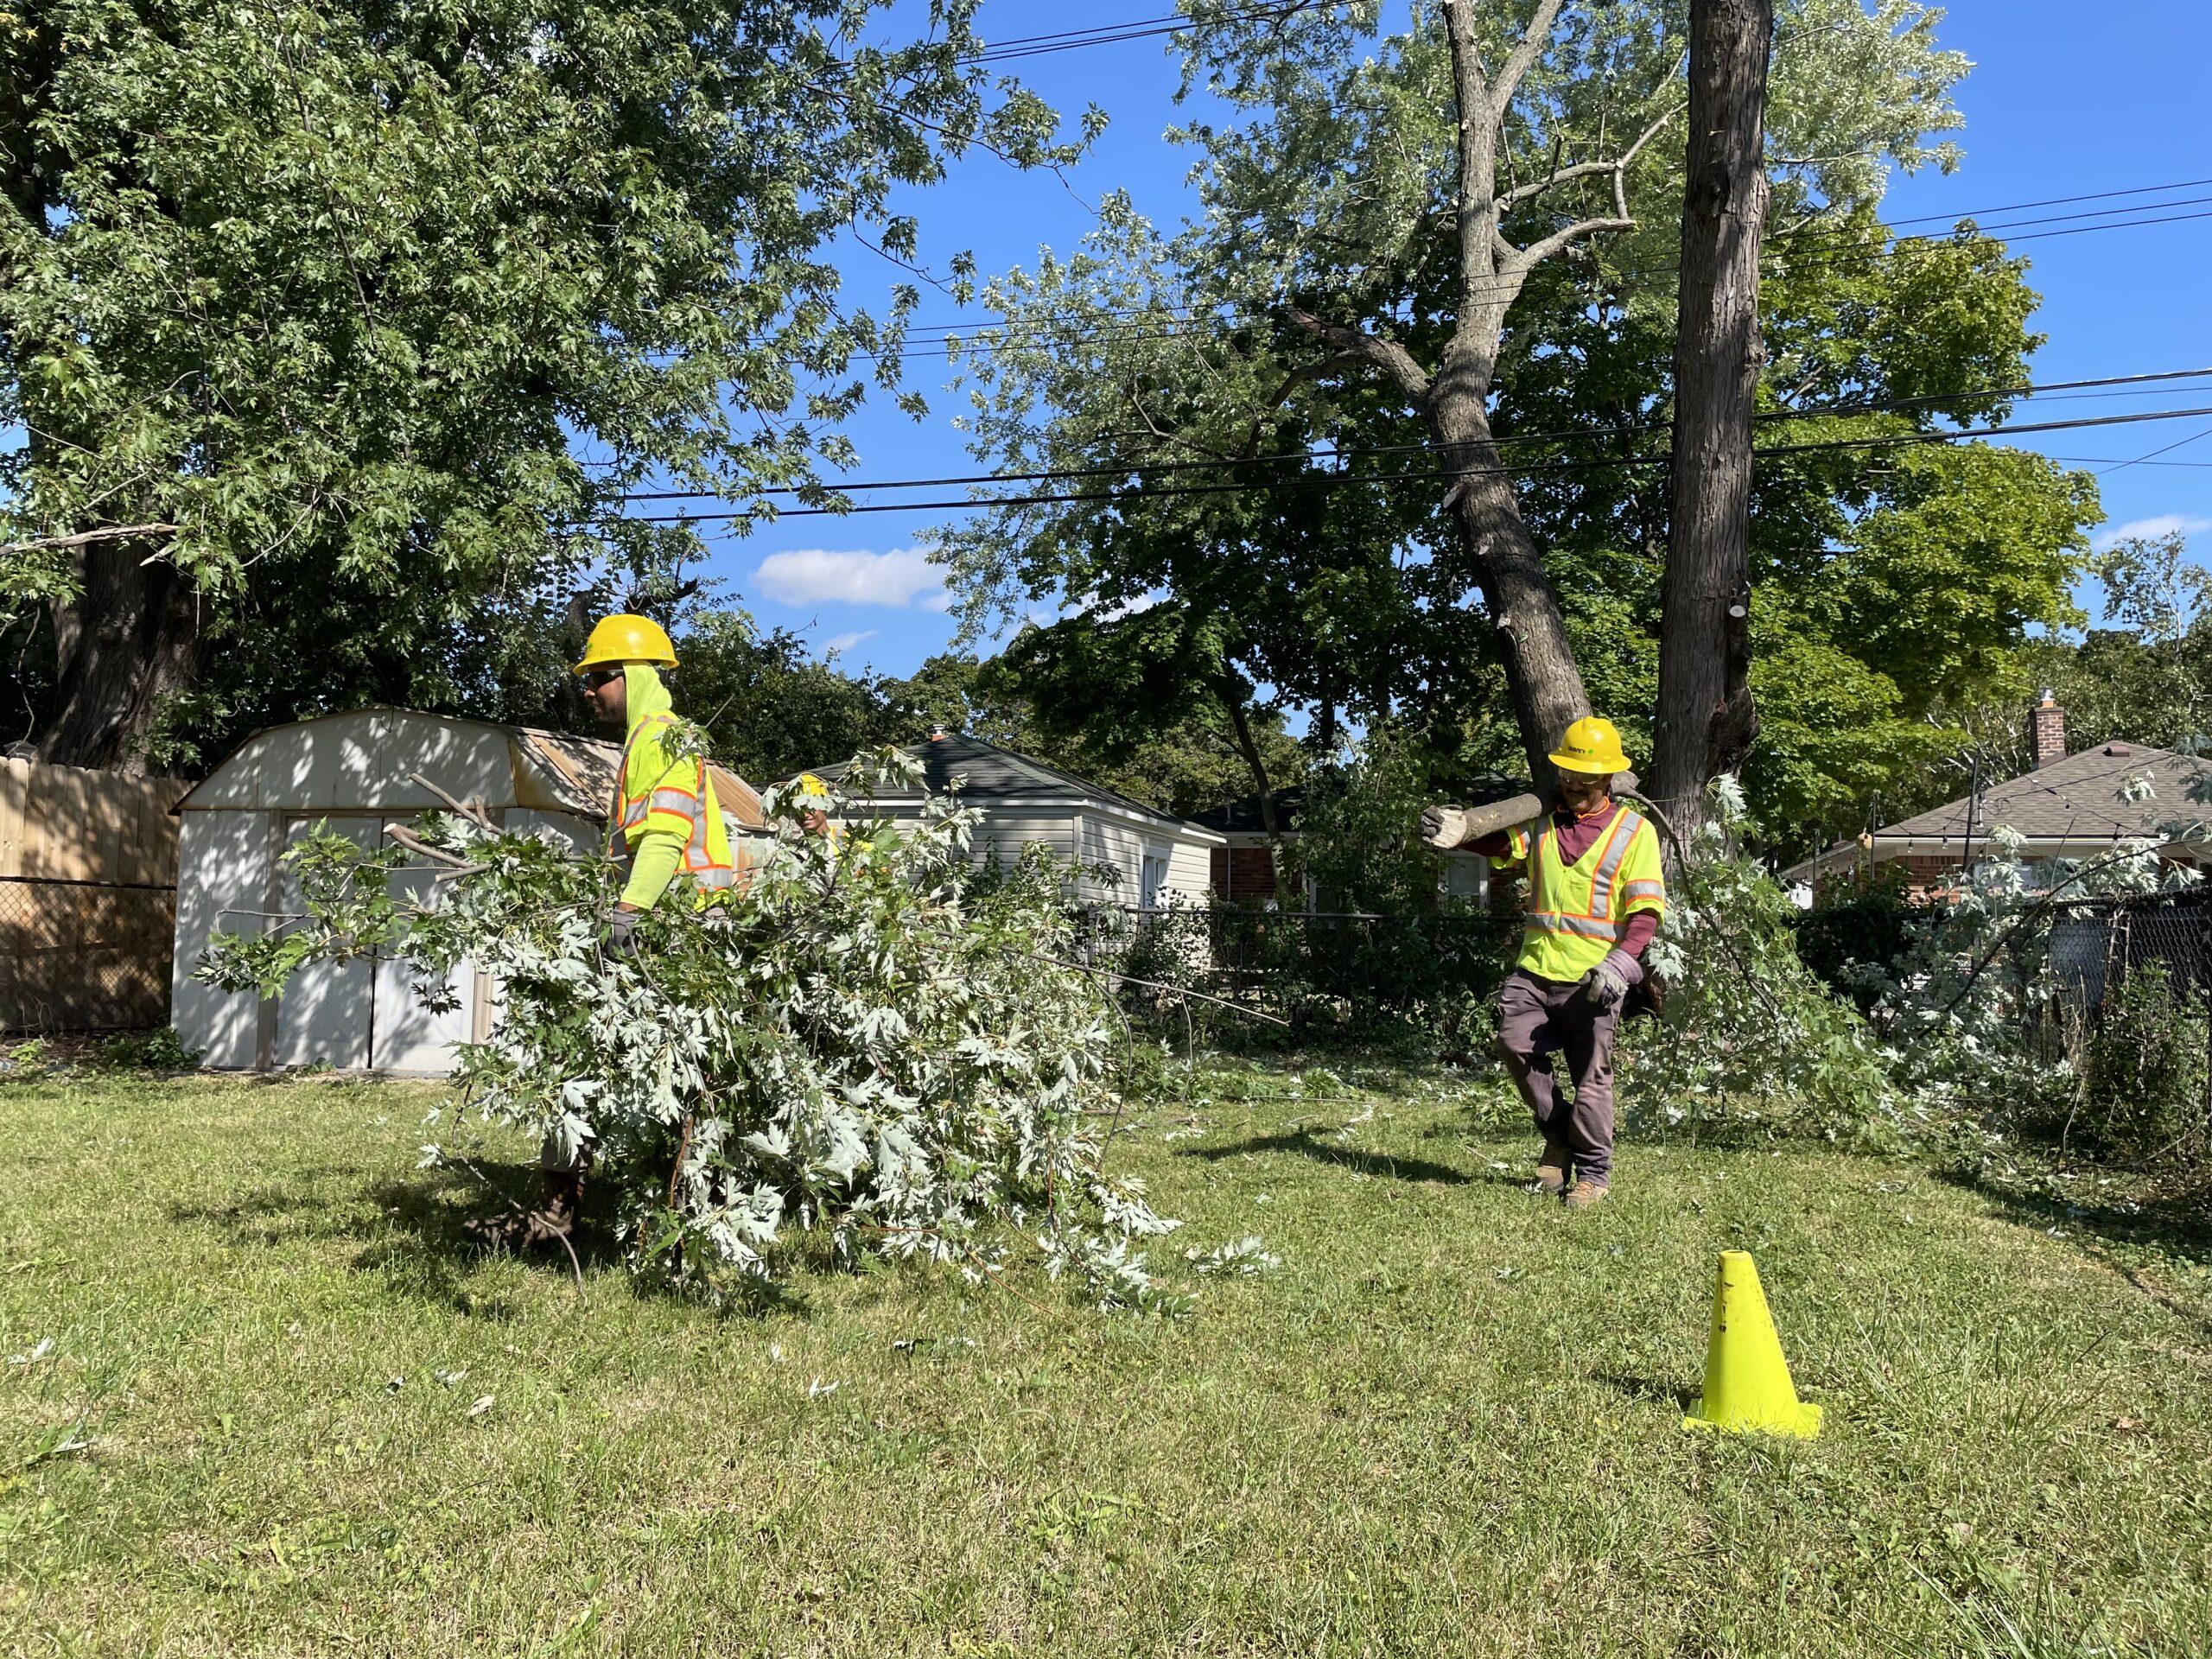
{"points": [[1155, 859]]}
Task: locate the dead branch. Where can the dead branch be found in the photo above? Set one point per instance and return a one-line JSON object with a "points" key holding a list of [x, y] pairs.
{"points": [[1357, 345], [473, 810], [85, 537]]}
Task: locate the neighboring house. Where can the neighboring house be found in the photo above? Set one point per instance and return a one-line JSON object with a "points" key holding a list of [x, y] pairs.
{"points": [[357, 773], [1155, 858], [2068, 806], [1244, 870]]}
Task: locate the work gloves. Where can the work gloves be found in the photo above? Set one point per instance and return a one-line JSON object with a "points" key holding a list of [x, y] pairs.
{"points": [[622, 933], [1443, 828], [1606, 985]]}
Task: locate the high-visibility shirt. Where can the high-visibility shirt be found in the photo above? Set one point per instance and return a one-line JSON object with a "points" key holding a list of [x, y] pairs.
{"points": [[1573, 914], [660, 794]]}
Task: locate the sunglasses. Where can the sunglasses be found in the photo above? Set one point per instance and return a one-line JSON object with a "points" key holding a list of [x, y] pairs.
{"points": [[601, 677]]}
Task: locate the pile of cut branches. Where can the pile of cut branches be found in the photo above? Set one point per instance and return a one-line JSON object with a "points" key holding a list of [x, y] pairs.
{"points": [[863, 1040]]}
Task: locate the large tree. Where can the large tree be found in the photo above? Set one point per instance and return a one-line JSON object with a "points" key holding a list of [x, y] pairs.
{"points": [[1378, 217], [338, 332]]}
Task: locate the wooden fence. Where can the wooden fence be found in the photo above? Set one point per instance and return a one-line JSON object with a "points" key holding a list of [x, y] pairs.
{"points": [[87, 898]]}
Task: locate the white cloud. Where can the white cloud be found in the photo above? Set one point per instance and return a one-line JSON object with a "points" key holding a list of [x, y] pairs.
{"points": [[839, 644], [901, 577], [2165, 524]]}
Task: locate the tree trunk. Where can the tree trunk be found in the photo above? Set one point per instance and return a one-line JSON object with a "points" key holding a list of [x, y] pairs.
{"points": [[1240, 722], [1540, 669], [130, 637], [1706, 719]]}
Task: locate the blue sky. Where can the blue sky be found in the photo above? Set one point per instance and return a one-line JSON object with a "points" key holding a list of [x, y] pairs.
{"points": [[2056, 105]]}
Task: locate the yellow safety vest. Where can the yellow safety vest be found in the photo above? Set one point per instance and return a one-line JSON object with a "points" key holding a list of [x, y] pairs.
{"points": [[658, 793], [1573, 914]]}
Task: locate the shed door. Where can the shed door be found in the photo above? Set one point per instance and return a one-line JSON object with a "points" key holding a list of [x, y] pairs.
{"points": [[404, 1036], [322, 1017]]}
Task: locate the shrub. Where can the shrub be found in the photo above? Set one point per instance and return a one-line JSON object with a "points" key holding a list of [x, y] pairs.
{"points": [[854, 1041], [2143, 1070]]}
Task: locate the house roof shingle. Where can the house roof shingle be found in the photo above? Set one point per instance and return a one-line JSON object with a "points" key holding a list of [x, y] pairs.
{"points": [[985, 773], [2074, 800]]}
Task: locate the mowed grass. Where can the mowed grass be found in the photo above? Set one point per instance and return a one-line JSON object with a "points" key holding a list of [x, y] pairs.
{"points": [[1449, 1423]]}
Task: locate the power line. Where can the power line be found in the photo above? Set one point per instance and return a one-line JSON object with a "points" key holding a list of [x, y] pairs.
{"points": [[1020, 333], [1072, 40], [1334, 480], [2135, 382], [1784, 244]]}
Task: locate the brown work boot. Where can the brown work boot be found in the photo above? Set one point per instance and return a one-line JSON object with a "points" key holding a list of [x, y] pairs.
{"points": [[1585, 1195], [1551, 1180]]}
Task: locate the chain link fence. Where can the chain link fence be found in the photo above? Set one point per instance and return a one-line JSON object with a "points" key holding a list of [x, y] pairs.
{"points": [[1347, 972], [84, 956]]}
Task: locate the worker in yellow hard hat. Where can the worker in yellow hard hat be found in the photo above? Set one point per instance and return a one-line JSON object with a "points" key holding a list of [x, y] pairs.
{"points": [[671, 831], [664, 809], [811, 797], [1593, 897]]}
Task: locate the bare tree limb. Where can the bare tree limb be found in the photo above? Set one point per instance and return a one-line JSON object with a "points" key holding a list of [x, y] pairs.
{"points": [[1531, 45], [1356, 345], [1479, 121], [1562, 175], [85, 537]]}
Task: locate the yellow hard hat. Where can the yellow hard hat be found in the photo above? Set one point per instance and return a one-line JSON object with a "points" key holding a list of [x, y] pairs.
{"points": [[810, 787], [626, 638], [1591, 745]]}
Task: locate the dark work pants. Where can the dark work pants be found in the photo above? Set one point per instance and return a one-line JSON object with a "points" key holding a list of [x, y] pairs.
{"points": [[1539, 1018]]}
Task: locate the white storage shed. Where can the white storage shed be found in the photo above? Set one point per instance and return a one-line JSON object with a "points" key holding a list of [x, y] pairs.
{"points": [[356, 771], [1156, 859]]}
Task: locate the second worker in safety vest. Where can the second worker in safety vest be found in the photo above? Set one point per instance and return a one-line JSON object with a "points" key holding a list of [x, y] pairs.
{"points": [[664, 810], [1592, 898]]}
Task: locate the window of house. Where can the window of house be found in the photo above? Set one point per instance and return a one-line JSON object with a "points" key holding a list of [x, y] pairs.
{"points": [[1155, 889]]}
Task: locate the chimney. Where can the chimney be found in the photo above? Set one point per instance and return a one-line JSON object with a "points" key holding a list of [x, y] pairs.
{"points": [[2047, 731]]}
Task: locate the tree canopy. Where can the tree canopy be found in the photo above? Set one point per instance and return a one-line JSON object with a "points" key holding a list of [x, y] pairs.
{"points": [[1280, 509], [341, 334]]}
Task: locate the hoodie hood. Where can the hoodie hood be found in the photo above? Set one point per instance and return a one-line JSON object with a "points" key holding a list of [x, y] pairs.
{"points": [[644, 696]]}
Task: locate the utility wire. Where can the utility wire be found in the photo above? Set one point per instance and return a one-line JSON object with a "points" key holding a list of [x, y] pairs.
{"points": [[1334, 480], [1578, 435], [1071, 39], [1782, 247]]}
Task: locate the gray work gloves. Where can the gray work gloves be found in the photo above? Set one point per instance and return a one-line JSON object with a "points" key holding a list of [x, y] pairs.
{"points": [[1607, 984], [1443, 828], [622, 933]]}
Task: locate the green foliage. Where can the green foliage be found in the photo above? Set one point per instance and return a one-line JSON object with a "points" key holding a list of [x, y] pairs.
{"points": [[386, 308], [1884, 581], [2143, 1071], [1846, 932], [1752, 1040], [853, 1041]]}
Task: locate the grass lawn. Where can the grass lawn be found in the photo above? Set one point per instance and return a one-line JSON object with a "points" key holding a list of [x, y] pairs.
{"points": [[286, 1411]]}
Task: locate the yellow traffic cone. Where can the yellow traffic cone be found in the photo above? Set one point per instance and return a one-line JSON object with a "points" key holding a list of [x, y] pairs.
{"points": [[1747, 1387]]}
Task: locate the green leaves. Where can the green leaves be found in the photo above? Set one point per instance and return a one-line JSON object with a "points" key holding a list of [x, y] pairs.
{"points": [[389, 309], [864, 1039]]}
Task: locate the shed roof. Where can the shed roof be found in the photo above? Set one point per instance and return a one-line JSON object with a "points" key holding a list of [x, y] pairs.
{"points": [[986, 773], [366, 759]]}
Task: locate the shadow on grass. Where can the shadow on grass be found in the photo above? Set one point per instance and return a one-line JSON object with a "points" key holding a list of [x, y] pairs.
{"points": [[1306, 1144], [1648, 1389], [2175, 1223], [415, 1234]]}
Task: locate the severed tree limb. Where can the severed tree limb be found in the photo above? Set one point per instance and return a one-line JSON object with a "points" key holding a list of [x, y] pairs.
{"points": [[1357, 345], [473, 810], [86, 537]]}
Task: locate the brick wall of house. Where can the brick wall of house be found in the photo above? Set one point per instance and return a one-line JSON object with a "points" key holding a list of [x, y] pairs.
{"points": [[1242, 873]]}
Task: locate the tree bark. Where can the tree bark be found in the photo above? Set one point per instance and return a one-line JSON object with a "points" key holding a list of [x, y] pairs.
{"points": [[1706, 721], [1539, 669], [131, 638]]}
